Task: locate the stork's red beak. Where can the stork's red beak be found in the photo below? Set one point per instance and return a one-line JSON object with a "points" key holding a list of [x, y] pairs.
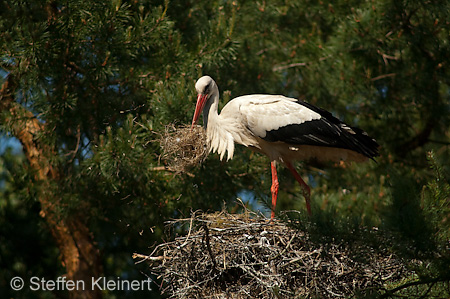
{"points": [[201, 101]]}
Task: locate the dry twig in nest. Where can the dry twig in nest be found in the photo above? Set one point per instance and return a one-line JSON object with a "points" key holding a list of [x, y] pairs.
{"points": [[183, 147], [247, 256]]}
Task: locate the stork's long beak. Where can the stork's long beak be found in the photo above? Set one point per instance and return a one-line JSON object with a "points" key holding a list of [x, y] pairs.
{"points": [[201, 101]]}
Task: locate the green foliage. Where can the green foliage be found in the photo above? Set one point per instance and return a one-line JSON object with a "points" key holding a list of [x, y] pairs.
{"points": [[436, 198], [419, 227], [23, 233]]}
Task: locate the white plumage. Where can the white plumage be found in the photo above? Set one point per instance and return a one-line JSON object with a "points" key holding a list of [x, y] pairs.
{"points": [[282, 128], [270, 112]]}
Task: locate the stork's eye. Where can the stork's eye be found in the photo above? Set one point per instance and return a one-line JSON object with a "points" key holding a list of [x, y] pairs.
{"points": [[207, 87]]}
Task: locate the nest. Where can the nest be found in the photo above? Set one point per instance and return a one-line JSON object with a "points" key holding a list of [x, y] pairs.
{"points": [[247, 256], [183, 147]]}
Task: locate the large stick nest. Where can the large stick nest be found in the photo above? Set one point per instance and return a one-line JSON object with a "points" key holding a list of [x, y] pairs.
{"points": [[183, 147], [247, 256]]}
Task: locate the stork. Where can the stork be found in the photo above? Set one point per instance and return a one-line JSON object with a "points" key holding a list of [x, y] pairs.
{"points": [[284, 129]]}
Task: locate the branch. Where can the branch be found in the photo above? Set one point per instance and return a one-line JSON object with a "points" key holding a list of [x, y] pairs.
{"points": [[25, 127], [383, 76], [419, 140], [283, 67], [208, 245], [149, 258], [432, 281], [297, 64], [6, 92], [169, 169]]}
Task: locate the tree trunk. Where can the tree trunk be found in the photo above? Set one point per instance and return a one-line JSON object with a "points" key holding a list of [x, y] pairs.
{"points": [[78, 252]]}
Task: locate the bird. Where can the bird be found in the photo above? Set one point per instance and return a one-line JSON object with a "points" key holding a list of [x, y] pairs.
{"points": [[282, 128]]}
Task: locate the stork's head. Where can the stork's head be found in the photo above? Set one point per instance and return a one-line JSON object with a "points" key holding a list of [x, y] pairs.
{"points": [[205, 86]]}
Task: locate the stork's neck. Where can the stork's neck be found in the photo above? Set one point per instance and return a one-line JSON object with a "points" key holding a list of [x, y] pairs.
{"points": [[210, 112], [217, 127]]}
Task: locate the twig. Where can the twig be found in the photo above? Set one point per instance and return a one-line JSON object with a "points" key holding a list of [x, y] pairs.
{"points": [[149, 258], [208, 245], [383, 76], [296, 64], [189, 233]]}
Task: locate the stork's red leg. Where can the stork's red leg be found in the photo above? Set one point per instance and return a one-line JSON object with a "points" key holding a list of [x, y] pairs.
{"points": [[274, 188], [305, 188]]}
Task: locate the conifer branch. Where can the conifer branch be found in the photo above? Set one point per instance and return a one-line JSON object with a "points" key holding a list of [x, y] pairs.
{"points": [[425, 281], [420, 139]]}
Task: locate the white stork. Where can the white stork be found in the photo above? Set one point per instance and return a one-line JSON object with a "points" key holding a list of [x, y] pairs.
{"points": [[282, 128]]}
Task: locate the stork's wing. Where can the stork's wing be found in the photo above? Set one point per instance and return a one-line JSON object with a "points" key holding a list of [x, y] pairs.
{"points": [[277, 118], [269, 113]]}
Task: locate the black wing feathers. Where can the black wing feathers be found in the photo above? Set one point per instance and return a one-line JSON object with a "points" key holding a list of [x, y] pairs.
{"points": [[327, 131]]}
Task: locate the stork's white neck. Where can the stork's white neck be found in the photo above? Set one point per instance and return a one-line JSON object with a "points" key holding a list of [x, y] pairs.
{"points": [[210, 111], [217, 133]]}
